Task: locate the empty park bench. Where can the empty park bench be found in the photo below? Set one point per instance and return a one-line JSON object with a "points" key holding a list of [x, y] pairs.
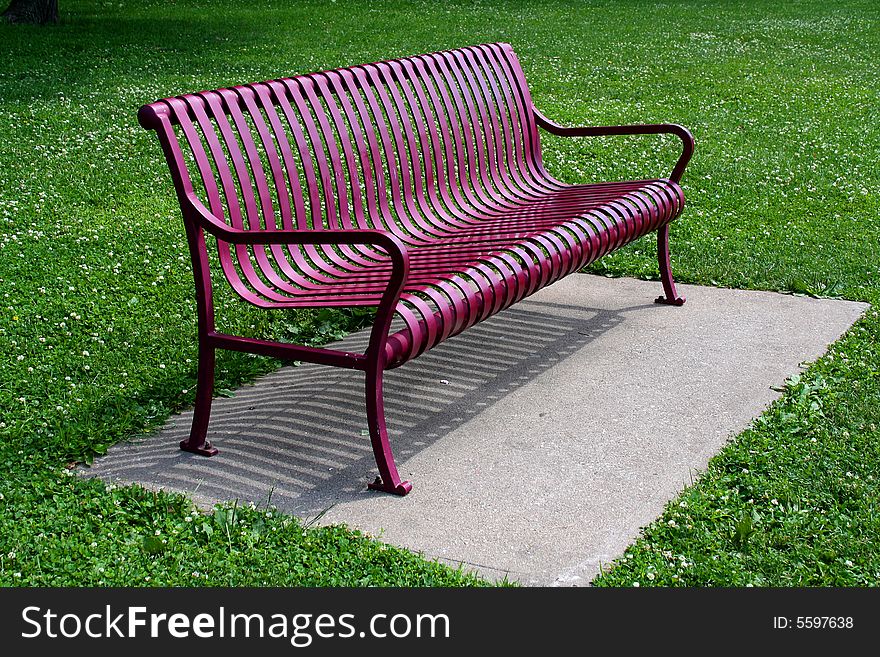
{"points": [[412, 185]]}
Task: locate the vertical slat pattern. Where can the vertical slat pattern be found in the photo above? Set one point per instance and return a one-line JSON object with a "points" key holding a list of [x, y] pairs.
{"points": [[440, 150]]}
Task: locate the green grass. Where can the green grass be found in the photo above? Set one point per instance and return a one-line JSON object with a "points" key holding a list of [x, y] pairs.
{"points": [[97, 322]]}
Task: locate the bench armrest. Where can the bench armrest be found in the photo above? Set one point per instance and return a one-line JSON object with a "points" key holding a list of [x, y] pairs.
{"points": [[349, 236], [395, 249], [681, 132]]}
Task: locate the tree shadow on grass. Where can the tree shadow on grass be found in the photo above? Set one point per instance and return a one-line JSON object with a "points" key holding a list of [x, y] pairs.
{"points": [[86, 56]]}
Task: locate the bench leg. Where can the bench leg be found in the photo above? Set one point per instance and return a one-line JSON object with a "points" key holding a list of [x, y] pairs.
{"points": [[670, 296], [388, 480], [196, 442]]}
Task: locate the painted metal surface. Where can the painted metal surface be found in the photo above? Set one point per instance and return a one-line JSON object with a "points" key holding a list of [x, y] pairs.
{"points": [[413, 185]]}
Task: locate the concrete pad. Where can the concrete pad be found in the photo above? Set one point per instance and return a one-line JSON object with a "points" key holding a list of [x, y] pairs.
{"points": [[538, 442]]}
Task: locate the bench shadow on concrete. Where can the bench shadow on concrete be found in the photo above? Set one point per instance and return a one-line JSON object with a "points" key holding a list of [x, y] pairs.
{"points": [[298, 438]]}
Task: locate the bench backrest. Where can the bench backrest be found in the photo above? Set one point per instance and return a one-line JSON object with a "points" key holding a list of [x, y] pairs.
{"points": [[382, 145]]}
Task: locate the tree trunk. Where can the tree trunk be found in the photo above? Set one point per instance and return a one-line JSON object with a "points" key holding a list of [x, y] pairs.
{"points": [[31, 11]]}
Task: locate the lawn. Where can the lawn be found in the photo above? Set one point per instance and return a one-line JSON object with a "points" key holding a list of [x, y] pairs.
{"points": [[97, 325]]}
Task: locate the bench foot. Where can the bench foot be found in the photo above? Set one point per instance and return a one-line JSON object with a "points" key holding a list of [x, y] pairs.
{"points": [[205, 449], [677, 301], [400, 489]]}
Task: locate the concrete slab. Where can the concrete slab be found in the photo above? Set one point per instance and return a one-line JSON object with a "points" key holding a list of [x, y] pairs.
{"points": [[538, 442]]}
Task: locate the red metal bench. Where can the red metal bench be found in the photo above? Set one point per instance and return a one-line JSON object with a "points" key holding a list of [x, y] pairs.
{"points": [[414, 185]]}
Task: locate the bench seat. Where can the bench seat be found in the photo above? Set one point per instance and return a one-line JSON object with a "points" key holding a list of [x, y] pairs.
{"points": [[578, 225]]}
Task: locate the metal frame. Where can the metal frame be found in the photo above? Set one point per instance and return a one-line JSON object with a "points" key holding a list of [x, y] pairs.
{"points": [[670, 296], [414, 185]]}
